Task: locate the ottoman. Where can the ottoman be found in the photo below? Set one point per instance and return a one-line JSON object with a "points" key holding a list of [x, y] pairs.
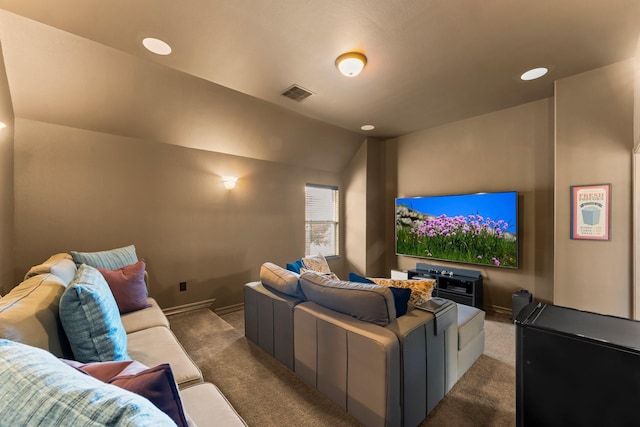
{"points": [[470, 336]]}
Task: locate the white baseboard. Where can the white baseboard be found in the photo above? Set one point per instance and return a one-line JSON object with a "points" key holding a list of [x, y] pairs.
{"points": [[189, 307], [229, 309]]}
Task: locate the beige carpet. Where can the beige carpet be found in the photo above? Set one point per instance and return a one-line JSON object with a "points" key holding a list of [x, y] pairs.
{"points": [[265, 393]]}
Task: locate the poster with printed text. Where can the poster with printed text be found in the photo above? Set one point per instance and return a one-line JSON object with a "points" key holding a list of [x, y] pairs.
{"points": [[590, 211]]}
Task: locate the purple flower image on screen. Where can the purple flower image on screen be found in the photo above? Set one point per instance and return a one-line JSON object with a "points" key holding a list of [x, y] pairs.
{"points": [[472, 228]]}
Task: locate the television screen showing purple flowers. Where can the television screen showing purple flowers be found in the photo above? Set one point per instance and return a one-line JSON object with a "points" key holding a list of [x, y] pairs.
{"points": [[476, 228]]}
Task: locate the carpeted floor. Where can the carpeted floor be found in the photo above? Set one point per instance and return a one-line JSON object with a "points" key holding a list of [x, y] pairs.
{"points": [[265, 393]]}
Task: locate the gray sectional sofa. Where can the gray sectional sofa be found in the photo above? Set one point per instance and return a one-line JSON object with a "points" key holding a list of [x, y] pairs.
{"points": [[344, 339], [29, 315]]}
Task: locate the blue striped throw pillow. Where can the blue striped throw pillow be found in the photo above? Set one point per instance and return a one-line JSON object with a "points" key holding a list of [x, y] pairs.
{"points": [[39, 389], [91, 319], [112, 259]]}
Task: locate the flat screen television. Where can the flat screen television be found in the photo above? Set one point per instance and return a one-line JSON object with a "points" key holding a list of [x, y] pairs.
{"points": [[479, 228]]}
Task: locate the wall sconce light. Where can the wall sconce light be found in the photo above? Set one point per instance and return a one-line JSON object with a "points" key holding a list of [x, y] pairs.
{"points": [[351, 63], [2, 125], [229, 182]]}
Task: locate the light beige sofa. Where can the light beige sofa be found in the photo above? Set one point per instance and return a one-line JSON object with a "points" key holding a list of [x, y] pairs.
{"points": [[383, 375], [29, 315]]}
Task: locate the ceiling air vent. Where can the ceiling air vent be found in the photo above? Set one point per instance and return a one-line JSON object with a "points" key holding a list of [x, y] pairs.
{"points": [[297, 93]]}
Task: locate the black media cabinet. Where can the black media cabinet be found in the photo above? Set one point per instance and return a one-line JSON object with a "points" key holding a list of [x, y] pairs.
{"points": [[576, 368], [457, 284]]}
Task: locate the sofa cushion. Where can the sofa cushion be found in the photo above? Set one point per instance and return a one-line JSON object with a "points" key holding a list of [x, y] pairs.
{"points": [[29, 314], [112, 259], [145, 318], [91, 320], [155, 384], [281, 279], [39, 389], [400, 295], [61, 265], [158, 345], [127, 286], [364, 301], [470, 324]]}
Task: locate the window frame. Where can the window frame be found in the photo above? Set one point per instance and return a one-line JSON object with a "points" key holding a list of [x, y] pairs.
{"points": [[335, 222]]}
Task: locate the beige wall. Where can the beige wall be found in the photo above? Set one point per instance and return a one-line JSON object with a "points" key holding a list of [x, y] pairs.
{"points": [[355, 223], [506, 150], [636, 109], [364, 186], [6, 184], [594, 141], [83, 190], [636, 190], [375, 242], [58, 77]]}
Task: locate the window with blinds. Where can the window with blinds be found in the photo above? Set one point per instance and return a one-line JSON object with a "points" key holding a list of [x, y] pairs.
{"points": [[322, 213]]}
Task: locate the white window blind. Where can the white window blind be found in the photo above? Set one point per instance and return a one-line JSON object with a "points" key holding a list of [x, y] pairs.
{"points": [[322, 210]]}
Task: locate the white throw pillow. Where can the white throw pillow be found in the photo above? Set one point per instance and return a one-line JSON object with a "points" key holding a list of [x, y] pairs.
{"points": [[316, 263]]}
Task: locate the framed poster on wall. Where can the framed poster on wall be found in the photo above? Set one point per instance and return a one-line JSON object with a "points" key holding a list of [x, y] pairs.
{"points": [[590, 211]]}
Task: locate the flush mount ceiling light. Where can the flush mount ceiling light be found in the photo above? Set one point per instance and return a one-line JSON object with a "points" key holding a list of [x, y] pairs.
{"points": [[156, 46], [351, 63], [367, 127], [533, 74]]}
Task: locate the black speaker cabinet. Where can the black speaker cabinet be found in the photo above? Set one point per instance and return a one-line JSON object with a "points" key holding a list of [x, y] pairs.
{"points": [[576, 368]]}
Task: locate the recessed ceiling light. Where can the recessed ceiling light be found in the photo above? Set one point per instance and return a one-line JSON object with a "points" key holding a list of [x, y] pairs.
{"points": [[367, 127], [156, 46], [535, 73]]}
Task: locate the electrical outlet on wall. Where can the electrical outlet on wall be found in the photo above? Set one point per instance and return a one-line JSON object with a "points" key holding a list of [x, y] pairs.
{"points": [[183, 286]]}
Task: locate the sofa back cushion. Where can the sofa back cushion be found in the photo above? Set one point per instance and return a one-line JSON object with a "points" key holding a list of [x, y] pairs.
{"points": [[280, 279], [61, 265], [29, 314], [363, 301], [39, 389], [91, 318]]}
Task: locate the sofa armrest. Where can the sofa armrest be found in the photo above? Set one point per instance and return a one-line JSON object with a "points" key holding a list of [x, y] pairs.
{"points": [[205, 405], [268, 321], [429, 362], [354, 363]]}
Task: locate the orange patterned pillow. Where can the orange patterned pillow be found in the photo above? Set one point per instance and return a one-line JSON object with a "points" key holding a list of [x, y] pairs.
{"points": [[420, 289]]}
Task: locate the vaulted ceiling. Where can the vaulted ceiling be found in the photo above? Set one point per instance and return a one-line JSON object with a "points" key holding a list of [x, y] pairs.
{"points": [[430, 62]]}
